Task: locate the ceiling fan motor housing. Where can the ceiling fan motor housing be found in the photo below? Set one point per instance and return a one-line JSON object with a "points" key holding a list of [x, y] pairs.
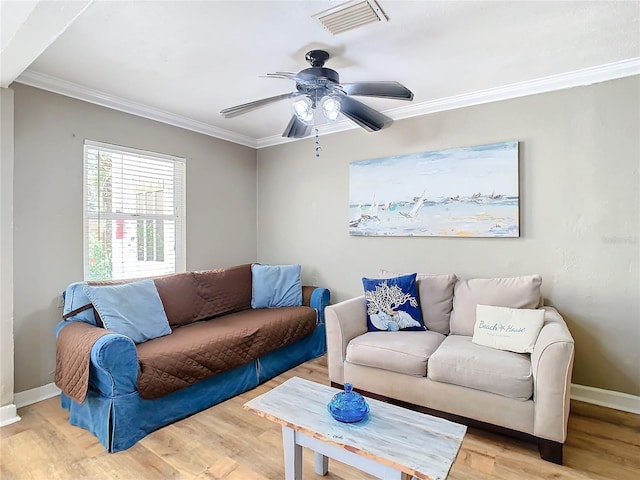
{"points": [[316, 77]]}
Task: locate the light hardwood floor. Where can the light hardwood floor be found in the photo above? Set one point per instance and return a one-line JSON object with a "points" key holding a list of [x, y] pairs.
{"points": [[226, 442]]}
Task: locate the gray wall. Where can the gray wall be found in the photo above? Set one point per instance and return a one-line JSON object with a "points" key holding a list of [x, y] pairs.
{"points": [[49, 133], [6, 250], [579, 184]]}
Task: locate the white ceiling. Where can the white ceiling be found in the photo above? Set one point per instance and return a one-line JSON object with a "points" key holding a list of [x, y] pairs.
{"points": [[184, 61]]}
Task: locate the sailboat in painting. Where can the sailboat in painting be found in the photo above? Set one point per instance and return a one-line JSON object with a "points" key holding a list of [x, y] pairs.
{"points": [[413, 213], [373, 210]]}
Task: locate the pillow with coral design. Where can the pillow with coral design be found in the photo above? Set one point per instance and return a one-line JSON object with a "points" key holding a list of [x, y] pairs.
{"points": [[392, 304]]}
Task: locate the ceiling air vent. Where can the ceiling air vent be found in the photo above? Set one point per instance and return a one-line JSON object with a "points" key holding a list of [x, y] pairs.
{"points": [[350, 15]]}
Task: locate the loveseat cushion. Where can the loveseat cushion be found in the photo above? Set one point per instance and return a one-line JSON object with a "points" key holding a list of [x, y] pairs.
{"points": [[459, 361], [512, 292], [405, 352], [203, 349], [436, 299]]}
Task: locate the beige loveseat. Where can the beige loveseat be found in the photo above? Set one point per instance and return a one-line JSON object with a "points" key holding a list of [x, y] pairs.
{"points": [[441, 371]]}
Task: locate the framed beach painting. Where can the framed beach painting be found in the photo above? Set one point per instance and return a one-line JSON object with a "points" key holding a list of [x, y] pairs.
{"points": [[458, 192]]}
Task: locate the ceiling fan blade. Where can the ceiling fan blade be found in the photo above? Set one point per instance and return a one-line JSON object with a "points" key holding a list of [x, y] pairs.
{"points": [[246, 107], [365, 116], [286, 75], [296, 128], [378, 89]]}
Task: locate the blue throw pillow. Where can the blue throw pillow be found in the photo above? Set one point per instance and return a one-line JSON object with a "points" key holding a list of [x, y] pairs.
{"points": [[132, 309], [392, 304], [274, 286]]}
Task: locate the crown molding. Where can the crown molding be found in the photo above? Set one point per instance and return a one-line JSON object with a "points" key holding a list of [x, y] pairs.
{"points": [[562, 81], [79, 92], [576, 78]]}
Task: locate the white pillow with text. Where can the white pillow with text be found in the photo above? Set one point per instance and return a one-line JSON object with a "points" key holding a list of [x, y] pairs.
{"points": [[512, 329]]}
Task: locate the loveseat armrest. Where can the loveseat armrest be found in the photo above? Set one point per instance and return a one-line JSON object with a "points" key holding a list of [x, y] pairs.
{"points": [[345, 321], [317, 298], [552, 364], [114, 365]]}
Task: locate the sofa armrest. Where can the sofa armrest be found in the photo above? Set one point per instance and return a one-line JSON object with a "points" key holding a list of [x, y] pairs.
{"points": [[345, 321], [318, 298], [114, 365], [552, 364]]}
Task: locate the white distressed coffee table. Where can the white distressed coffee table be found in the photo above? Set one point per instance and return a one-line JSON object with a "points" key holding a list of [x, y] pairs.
{"points": [[393, 443]]}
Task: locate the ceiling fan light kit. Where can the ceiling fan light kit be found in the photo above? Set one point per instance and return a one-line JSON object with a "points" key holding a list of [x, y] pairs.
{"points": [[303, 109], [320, 86], [330, 107]]}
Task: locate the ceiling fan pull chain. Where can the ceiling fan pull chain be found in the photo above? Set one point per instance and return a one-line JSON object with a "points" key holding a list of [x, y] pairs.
{"points": [[318, 147]]}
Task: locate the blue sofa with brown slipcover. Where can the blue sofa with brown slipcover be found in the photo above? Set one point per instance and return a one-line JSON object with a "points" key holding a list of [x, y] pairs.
{"points": [[219, 347]]}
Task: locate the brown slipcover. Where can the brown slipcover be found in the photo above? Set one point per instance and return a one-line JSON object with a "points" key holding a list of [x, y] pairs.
{"points": [[232, 335], [73, 352], [203, 349], [191, 296]]}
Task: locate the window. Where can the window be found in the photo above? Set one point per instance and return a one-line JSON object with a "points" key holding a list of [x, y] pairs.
{"points": [[150, 232], [134, 212]]}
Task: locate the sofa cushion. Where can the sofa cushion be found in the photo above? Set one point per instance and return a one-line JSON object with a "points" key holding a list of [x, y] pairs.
{"points": [[459, 361], [274, 286], [392, 303], [132, 309], [188, 297], [404, 352], [512, 292], [193, 296], [223, 291], [201, 350], [513, 329], [436, 299], [179, 295]]}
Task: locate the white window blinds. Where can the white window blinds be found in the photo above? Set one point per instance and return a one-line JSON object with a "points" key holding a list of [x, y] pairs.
{"points": [[134, 210]]}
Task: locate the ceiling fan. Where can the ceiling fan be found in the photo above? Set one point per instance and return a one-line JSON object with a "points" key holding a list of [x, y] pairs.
{"points": [[320, 87]]}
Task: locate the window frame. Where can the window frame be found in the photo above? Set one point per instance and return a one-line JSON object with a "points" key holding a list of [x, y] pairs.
{"points": [[179, 198]]}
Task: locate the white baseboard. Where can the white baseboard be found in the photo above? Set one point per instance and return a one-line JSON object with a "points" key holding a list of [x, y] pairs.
{"points": [[596, 396], [22, 399], [8, 415], [606, 398]]}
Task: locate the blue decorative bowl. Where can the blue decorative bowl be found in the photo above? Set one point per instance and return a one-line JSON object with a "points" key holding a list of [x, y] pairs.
{"points": [[348, 406]]}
